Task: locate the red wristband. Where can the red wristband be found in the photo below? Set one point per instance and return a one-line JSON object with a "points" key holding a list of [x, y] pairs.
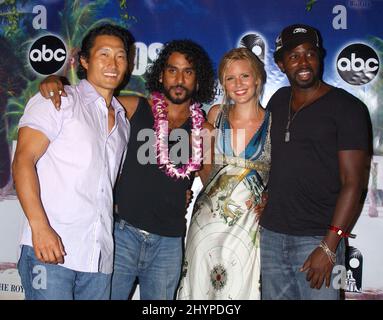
{"points": [[341, 233]]}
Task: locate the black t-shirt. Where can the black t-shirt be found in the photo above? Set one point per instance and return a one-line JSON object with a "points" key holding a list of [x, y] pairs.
{"points": [[304, 180], [145, 196]]}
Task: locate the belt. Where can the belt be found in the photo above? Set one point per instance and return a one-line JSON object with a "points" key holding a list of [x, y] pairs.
{"points": [[123, 222]]}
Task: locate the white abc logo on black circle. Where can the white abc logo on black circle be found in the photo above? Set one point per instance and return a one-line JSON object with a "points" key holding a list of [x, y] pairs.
{"points": [[357, 64], [47, 55]]}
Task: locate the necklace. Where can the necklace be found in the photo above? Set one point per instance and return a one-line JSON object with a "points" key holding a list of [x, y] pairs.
{"points": [[162, 132], [291, 119]]}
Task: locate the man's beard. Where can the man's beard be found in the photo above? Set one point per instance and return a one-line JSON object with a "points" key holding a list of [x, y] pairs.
{"points": [[176, 100]]}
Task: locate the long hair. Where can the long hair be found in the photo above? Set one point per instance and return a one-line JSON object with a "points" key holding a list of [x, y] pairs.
{"points": [[242, 54], [197, 57]]}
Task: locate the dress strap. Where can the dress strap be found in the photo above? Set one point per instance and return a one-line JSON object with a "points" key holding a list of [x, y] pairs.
{"points": [[218, 119]]}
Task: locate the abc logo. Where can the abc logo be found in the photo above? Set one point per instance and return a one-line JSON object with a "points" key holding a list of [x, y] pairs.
{"points": [[358, 64], [47, 55]]}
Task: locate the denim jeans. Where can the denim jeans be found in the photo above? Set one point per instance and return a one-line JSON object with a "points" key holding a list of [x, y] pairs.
{"points": [[282, 256], [155, 260], [43, 281]]}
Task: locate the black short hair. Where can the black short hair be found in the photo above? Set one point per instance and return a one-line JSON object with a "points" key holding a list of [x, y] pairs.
{"points": [[109, 30], [200, 60]]}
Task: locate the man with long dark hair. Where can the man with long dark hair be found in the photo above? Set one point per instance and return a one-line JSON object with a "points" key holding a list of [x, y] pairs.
{"points": [[150, 198]]}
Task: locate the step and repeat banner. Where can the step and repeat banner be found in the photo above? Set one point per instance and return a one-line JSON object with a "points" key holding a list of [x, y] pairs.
{"points": [[38, 38]]}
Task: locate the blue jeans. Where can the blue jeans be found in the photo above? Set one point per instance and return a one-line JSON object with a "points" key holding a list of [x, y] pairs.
{"points": [[43, 281], [282, 256], [155, 260]]}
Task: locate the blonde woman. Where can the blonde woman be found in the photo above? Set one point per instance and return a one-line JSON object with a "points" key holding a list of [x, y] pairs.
{"points": [[222, 250]]}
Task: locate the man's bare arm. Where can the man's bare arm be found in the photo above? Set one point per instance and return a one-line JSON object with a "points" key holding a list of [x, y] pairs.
{"points": [[352, 167], [31, 145]]}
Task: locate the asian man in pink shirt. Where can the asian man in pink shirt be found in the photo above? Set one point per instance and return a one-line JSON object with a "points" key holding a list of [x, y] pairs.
{"points": [[65, 167]]}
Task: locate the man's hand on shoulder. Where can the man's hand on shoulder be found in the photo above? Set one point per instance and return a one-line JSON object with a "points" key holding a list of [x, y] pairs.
{"points": [[52, 87]]}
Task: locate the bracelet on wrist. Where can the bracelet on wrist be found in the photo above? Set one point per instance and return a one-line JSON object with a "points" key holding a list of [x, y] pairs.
{"points": [[340, 232], [330, 254]]}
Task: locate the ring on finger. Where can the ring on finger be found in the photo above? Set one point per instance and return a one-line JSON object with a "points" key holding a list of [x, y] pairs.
{"points": [[51, 93], [60, 92]]}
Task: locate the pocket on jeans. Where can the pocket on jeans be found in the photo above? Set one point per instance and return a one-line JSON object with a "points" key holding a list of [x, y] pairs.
{"points": [[29, 252], [32, 257]]}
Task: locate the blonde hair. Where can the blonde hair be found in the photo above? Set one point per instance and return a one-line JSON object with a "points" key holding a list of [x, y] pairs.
{"points": [[242, 54]]}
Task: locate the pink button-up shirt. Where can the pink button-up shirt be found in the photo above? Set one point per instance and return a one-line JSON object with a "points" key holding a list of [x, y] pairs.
{"points": [[78, 172]]}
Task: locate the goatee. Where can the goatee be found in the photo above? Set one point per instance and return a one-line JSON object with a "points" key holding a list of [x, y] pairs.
{"points": [[176, 100]]}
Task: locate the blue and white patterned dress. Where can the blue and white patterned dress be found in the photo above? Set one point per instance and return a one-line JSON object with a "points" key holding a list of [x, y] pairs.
{"points": [[222, 249]]}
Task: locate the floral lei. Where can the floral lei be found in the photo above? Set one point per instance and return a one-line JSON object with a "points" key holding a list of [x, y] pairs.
{"points": [[162, 133]]}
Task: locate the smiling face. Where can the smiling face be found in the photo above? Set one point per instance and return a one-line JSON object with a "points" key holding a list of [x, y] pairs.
{"points": [[239, 81], [178, 79], [107, 64], [301, 65]]}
